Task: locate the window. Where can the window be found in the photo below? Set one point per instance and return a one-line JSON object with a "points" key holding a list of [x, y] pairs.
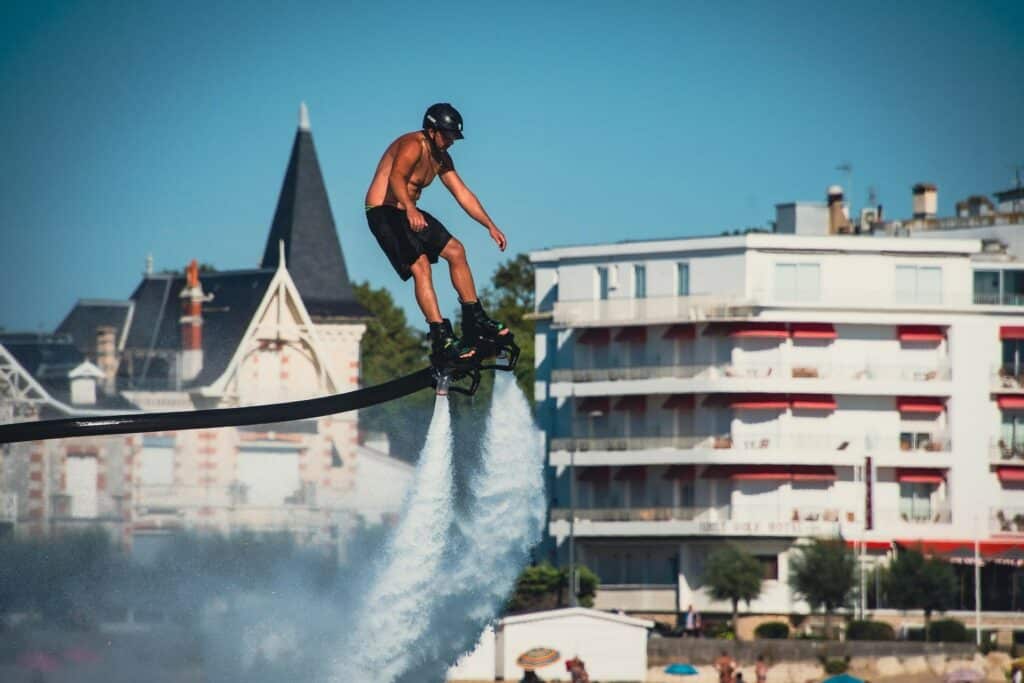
{"points": [[986, 287], [640, 282], [683, 279], [916, 501], [602, 283], [769, 567], [798, 281], [81, 478], [156, 466], [1012, 433], [269, 473], [918, 285]]}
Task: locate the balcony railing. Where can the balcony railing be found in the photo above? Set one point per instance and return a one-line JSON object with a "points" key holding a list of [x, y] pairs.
{"points": [[1004, 299], [1008, 377], [918, 514], [870, 372], [647, 311], [1006, 520], [922, 443], [1004, 450], [753, 518]]}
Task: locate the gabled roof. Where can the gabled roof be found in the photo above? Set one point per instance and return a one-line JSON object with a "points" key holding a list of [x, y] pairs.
{"points": [[303, 221], [154, 327], [88, 314], [48, 359]]}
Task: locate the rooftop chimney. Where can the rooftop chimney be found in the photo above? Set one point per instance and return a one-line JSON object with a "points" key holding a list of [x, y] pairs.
{"points": [[106, 355], [838, 218], [926, 200], [191, 323]]}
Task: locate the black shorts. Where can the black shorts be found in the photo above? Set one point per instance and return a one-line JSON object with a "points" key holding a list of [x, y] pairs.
{"points": [[403, 245]]}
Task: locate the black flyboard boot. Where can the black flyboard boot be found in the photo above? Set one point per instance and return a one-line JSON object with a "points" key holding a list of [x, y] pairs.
{"points": [[489, 337], [445, 348]]}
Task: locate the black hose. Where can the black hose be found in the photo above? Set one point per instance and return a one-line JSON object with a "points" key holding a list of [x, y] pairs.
{"points": [[218, 417]]}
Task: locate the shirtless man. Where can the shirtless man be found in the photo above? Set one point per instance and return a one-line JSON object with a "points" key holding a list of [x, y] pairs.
{"points": [[412, 239]]}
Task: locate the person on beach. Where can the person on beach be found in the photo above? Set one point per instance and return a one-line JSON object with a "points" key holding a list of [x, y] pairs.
{"points": [[761, 670], [725, 667]]}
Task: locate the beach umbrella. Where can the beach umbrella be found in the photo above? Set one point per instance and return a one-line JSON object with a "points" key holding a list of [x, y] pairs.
{"points": [[964, 675], [681, 670], [843, 678], [537, 657], [38, 661]]}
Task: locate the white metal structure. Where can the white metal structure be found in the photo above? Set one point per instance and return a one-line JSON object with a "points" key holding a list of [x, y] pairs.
{"points": [[771, 387]]}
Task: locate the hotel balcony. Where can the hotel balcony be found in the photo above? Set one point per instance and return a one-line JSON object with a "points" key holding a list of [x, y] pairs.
{"points": [[914, 514], [772, 373], [910, 450], [1007, 379], [760, 520], [1006, 520], [590, 312]]}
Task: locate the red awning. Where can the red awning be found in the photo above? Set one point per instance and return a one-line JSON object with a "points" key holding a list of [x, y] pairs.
{"points": [[594, 404], [871, 546], [1011, 332], [921, 333], [594, 474], [631, 473], [920, 475], [813, 473], [920, 404], [759, 330], [1010, 474], [813, 402], [679, 402], [771, 472], [632, 335], [595, 335], [990, 548], [680, 332], [632, 403], [680, 472], [813, 330], [759, 401], [1010, 402]]}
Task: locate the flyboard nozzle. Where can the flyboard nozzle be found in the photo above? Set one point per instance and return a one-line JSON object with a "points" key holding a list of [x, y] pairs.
{"points": [[444, 380]]}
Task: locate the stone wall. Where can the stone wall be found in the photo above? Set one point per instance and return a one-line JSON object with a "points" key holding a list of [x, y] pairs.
{"points": [[663, 651]]}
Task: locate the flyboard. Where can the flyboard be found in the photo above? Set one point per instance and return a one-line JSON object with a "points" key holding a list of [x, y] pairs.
{"points": [[443, 377]]}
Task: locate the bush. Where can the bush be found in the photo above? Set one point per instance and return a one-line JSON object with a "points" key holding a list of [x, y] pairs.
{"points": [[870, 630], [772, 630], [836, 666], [948, 631]]}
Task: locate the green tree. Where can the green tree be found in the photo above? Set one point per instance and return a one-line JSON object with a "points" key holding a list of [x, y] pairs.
{"points": [[916, 582], [733, 574], [390, 348], [543, 587], [822, 573], [509, 298]]}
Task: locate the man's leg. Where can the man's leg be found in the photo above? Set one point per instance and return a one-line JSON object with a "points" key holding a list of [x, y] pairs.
{"points": [[426, 297], [458, 267]]}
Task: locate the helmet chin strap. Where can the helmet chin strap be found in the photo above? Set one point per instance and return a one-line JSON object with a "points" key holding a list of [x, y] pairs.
{"points": [[434, 151]]}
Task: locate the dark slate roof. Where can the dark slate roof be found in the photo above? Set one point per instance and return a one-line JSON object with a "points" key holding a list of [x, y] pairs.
{"points": [[49, 358], [89, 314], [303, 220], [154, 326]]}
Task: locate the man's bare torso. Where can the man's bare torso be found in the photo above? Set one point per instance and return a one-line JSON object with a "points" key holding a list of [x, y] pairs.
{"points": [[427, 167]]}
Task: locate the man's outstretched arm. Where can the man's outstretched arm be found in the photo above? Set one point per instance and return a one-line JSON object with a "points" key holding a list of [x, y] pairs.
{"points": [[471, 205]]}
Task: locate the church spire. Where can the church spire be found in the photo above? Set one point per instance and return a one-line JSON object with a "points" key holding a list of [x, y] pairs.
{"points": [[304, 223]]}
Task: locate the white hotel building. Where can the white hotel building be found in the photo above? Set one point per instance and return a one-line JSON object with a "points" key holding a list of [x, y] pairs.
{"points": [[766, 388]]}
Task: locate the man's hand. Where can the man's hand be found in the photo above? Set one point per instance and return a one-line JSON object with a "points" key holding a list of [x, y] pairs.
{"points": [[416, 220], [499, 237]]}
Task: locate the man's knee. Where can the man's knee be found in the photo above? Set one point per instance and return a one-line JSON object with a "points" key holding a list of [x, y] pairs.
{"points": [[420, 268], [454, 252]]}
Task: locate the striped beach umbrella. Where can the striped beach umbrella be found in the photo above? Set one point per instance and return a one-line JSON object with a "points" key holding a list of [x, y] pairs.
{"points": [[536, 657]]}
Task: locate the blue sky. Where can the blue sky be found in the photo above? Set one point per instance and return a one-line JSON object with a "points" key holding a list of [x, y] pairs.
{"points": [[165, 127]]}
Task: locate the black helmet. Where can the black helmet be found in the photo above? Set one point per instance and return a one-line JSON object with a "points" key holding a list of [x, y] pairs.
{"points": [[444, 116]]}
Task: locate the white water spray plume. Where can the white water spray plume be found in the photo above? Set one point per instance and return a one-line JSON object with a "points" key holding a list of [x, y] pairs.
{"points": [[493, 542], [391, 624]]}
